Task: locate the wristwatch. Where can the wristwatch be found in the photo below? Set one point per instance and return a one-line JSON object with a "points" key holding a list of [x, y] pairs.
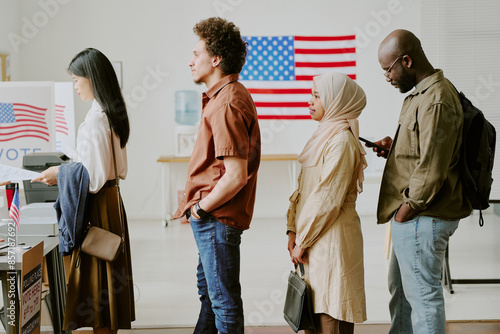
{"points": [[199, 211]]}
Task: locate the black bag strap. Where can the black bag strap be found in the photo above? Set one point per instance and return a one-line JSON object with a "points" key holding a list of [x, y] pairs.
{"points": [[118, 189], [301, 267]]}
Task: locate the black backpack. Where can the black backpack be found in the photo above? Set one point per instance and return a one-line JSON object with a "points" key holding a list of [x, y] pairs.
{"points": [[477, 155]]}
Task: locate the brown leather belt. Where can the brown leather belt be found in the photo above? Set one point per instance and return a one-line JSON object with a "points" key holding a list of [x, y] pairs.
{"points": [[110, 183]]}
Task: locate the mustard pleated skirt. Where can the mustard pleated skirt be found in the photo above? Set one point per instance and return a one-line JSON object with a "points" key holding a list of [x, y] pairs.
{"points": [[100, 293]]}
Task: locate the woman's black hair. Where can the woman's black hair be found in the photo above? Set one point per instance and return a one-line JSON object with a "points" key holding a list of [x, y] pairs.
{"points": [[93, 65]]}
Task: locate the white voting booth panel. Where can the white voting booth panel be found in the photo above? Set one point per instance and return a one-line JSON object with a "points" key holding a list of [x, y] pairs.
{"points": [[26, 120], [65, 118], [35, 117]]}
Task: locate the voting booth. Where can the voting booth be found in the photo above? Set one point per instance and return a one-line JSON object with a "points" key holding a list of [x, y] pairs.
{"points": [[36, 126]]}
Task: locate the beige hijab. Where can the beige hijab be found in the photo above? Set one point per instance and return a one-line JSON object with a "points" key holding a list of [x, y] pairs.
{"points": [[343, 100]]}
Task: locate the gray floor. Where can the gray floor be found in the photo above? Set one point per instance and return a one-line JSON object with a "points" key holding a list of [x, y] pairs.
{"points": [[164, 263]]}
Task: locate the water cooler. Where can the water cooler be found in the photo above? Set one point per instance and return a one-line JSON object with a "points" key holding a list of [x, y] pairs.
{"points": [[187, 117]]}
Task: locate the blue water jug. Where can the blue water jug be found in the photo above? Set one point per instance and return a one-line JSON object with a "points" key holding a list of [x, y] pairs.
{"points": [[187, 107]]}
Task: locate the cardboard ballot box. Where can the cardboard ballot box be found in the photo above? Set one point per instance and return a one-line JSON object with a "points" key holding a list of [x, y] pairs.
{"points": [[38, 162]]}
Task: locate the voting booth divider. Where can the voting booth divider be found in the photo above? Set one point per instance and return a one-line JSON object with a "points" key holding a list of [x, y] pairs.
{"points": [[36, 117]]}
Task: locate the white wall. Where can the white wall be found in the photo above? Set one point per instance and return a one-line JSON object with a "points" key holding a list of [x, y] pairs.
{"points": [[10, 24], [156, 36]]}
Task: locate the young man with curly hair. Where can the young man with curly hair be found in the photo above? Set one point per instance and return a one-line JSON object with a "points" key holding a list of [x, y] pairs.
{"points": [[222, 175]]}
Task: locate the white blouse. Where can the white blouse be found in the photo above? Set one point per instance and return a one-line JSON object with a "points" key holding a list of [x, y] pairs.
{"points": [[93, 149]]}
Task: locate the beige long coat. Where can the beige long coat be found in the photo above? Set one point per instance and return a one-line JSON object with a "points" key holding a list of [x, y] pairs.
{"points": [[322, 213]]}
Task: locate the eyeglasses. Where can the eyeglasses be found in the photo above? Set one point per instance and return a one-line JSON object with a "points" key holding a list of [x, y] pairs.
{"points": [[386, 72]]}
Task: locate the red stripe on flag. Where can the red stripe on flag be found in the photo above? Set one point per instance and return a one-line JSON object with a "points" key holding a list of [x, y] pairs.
{"points": [[27, 130], [310, 77], [32, 117], [30, 120], [279, 91], [24, 136], [281, 104], [324, 38], [29, 106], [283, 117], [14, 214], [30, 111], [324, 51], [326, 64], [23, 126], [58, 106]]}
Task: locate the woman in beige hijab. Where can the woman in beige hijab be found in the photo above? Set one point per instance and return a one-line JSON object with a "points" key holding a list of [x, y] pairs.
{"points": [[324, 230]]}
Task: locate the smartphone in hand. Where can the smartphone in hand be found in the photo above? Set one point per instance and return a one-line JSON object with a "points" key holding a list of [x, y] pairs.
{"points": [[372, 144]]}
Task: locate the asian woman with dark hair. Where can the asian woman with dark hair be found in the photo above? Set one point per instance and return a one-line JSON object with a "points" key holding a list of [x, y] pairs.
{"points": [[93, 65], [100, 294]]}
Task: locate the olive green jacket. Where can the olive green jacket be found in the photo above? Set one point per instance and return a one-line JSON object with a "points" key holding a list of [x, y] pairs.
{"points": [[422, 168]]}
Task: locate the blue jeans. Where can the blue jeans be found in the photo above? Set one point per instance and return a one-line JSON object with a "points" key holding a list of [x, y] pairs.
{"points": [[417, 302], [218, 277]]}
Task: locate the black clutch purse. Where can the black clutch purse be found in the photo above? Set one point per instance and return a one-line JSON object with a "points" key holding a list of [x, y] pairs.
{"points": [[298, 311]]}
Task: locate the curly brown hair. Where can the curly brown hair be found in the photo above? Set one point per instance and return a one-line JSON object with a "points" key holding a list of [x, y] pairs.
{"points": [[223, 39]]}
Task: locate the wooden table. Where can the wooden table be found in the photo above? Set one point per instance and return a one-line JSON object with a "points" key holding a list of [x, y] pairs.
{"points": [[166, 161]]}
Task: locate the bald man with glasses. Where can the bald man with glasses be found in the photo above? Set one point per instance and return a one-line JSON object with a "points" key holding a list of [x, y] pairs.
{"points": [[421, 192]]}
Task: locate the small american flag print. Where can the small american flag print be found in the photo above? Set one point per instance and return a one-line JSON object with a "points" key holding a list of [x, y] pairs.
{"points": [[18, 120]]}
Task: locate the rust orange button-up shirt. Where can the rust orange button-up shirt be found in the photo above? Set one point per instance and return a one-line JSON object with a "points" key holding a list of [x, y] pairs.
{"points": [[228, 128]]}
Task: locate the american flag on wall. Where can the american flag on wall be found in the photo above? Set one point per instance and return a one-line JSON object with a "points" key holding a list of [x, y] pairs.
{"points": [[18, 120], [279, 69]]}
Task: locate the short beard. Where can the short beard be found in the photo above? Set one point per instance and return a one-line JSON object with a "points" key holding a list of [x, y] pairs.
{"points": [[406, 82]]}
